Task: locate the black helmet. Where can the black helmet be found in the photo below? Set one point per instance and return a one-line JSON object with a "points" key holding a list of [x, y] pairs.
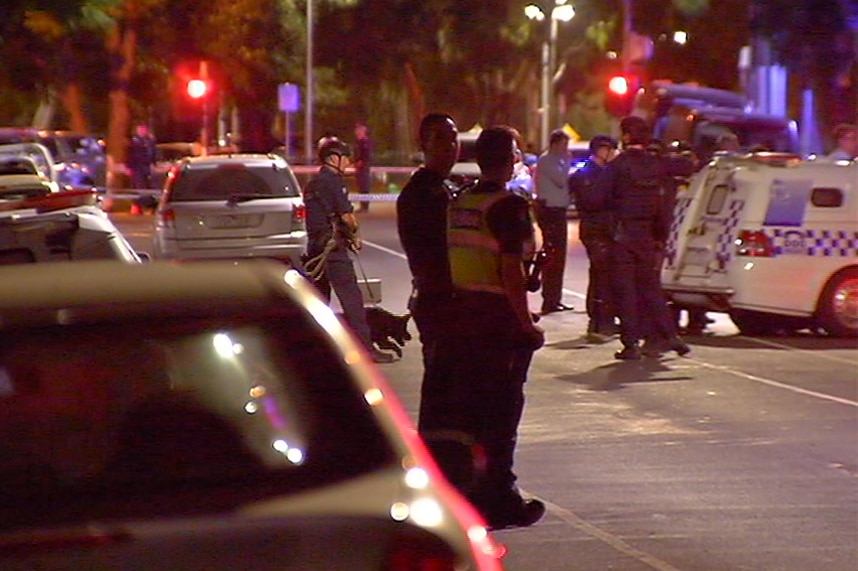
{"points": [[600, 141], [329, 146]]}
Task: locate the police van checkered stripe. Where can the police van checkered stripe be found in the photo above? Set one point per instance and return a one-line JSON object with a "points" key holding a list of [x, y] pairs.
{"points": [[821, 243], [727, 237], [679, 213]]}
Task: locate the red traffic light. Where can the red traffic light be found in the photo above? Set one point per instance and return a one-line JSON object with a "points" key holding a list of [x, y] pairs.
{"points": [[197, 88], [620, 95], [619, 85]]}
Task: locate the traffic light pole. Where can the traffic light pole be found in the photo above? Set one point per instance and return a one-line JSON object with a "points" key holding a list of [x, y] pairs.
{"points": [[204, 130]]}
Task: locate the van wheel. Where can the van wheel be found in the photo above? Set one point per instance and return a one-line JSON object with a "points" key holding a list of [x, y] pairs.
{"points": [[837, 310]]}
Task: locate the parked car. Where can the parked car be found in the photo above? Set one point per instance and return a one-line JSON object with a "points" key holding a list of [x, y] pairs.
{"points": [[211, 415], [89, 151], [72, 169], [61, 226], [579, 152], [20, 178], [31, 153], [231, 206], [466, 171]]}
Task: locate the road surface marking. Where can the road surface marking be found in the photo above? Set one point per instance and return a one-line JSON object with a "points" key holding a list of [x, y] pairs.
{"points": [[772, 383], [817, 354], [386, 250], [608, 538]]}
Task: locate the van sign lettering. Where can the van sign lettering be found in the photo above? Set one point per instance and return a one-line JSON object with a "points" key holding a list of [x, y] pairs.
{"points": [[794, 243]]}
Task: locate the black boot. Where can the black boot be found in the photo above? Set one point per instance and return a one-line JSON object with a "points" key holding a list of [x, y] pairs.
{"points": [[628, 353]]}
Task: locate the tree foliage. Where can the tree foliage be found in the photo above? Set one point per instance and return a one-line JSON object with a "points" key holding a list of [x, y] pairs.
{"points": [[385, 62]]}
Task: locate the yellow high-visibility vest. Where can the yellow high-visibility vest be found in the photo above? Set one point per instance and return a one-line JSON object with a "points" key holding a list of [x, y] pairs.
{"points": [[474, 252]]}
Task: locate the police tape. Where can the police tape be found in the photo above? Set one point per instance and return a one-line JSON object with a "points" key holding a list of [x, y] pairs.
{"points": [[135, 194], [373, 197]]}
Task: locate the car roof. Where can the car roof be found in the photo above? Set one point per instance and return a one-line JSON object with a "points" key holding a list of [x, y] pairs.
{"points": [[249, 159], [144, 286]]}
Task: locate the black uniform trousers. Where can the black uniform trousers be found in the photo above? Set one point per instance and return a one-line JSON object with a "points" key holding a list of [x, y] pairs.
{"points": [[552, 223], [340, 276], [642, 305], [601, 302], [471, 406]]}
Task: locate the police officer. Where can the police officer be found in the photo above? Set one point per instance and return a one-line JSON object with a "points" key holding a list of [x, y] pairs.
{"points": [[141, 157], [595, 231], [635, 188], [489, 230], [421, 215], [332, 231]]}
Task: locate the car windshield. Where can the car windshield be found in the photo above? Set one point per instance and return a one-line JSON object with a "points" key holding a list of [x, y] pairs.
{"points": [[225, 181], [96, 420]]}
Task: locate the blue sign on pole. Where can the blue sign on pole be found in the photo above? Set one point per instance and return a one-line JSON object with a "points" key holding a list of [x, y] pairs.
{"points": [[288, 97]]}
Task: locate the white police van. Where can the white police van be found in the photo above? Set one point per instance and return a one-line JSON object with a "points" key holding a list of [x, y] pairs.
{"points": [[770, 239]]}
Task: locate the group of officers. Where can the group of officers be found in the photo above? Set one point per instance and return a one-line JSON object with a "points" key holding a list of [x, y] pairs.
{"points": [[469, 251], [625, 203]]}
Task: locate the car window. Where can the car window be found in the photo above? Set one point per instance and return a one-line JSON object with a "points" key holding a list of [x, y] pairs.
{"points": [[222, 182], [17, 165], [254, 406]]}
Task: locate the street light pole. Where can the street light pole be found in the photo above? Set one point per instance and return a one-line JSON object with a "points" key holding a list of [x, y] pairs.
{"points": [[560, 12], [545, 104], [552, 66], [308, 111]]}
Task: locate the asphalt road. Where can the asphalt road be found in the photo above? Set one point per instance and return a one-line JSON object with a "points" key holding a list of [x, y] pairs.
{"points": [[742, 456]]}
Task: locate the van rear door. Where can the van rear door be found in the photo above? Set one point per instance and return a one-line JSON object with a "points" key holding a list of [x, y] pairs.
{"points": [[704, 229]]}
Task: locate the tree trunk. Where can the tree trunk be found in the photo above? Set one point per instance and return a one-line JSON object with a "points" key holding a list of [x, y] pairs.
{"points": [[73, 103], [121, 44]]}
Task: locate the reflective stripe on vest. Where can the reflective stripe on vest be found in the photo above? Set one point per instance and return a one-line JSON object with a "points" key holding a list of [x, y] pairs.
{"points": [[474, 252]]}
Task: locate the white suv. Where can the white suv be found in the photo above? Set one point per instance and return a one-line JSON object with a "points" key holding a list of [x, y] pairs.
{"points": [[231, 207]]}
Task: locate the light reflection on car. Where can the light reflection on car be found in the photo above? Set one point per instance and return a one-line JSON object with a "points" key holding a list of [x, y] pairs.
{"points": [[208, 415]]}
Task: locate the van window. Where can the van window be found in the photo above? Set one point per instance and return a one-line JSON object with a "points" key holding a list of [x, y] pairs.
{"points": [[826, 197], [717, 199]]}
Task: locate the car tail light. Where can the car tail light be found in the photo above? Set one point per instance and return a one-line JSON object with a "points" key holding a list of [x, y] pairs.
{"points": [[31, 545], [167, 217], [299, 213], [427, 553], [754, 243], [419, 554]]}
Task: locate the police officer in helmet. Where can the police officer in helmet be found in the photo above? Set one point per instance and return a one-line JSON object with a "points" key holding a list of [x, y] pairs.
{"points": [[636, 188], [332, 231]]}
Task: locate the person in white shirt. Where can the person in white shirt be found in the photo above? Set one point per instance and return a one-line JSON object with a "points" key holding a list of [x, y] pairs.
{"points": [[846, 142], [552, 202]]}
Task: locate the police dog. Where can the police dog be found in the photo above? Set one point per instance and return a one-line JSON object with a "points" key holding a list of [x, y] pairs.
{"points": [[387, 330]]}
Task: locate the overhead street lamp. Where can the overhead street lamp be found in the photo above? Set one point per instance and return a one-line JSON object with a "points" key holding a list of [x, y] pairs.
{"points": [[561, 12]]}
